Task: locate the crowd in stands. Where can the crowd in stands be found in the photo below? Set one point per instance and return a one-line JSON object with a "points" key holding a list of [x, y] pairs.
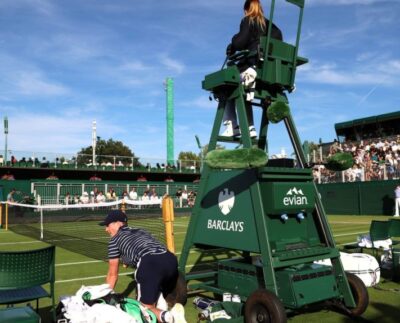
{"points": [[377, 159], [183, 198]]}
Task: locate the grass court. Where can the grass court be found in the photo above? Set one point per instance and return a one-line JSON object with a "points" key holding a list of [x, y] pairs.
{"points": [[74, 270]]}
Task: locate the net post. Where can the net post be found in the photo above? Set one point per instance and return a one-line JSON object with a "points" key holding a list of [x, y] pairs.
{"points": [[6, 220], [168, 218], [123, 206], [39, 201]]}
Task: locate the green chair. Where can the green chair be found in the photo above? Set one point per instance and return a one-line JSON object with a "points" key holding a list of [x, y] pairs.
{"points": [[394, 231], [378, 230], [22, 274], [23, 314]]}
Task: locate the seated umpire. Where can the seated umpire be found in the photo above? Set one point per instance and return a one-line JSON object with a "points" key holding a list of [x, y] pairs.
{"points": [[156, 267]]}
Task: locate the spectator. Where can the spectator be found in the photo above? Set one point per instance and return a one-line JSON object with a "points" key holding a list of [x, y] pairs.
{"points": [[141, 178], [111, 194], [191, 198], [145, 196], [100, 198], [168, 179], [67, 199], [92, 197], [10, 196], [1, 160], [184, 198], [52, 177], [13, 160], [84, 199], [8, 176], [95, 178], [133, 194], [153, 194], [76, 199]]}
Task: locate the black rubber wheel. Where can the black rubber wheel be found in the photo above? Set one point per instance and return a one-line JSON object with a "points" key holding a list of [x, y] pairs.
{"points": [[360, 295], [179, 294], [264, 306]]}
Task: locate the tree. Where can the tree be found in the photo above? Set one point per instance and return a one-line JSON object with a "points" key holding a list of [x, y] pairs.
{"points": [[188, 159], [106, 151]]}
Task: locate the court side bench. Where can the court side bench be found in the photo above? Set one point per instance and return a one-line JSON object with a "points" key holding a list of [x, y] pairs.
{"points": [[378, 230], [22, 276]]}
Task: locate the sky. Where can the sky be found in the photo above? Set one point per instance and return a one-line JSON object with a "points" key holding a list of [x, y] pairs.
{"points": [[64, 64]]}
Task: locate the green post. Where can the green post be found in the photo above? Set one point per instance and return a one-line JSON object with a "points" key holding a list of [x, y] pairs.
{"points": [[5, 141], [170, 120]]}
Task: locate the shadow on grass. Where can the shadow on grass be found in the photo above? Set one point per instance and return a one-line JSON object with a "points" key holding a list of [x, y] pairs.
{"points": [[389, 312], [130, 288]]}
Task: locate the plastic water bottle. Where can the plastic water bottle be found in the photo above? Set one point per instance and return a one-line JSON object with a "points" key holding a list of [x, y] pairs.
{"points": [[300, 216], [236, 298], [284, 217]]}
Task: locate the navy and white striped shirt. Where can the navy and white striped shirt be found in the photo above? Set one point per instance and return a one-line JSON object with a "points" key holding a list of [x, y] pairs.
{"points": [[131, 244]]}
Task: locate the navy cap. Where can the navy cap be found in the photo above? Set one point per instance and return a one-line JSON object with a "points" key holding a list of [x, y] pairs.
{"points": [[114, 216]]}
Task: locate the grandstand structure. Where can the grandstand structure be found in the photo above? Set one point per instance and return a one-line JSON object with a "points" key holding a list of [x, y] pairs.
{"points": [[380, 126], [53, 176], [373, 141]]}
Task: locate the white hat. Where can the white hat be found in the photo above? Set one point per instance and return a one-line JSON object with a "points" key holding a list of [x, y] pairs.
{"points": [[85, 193], [91, 193]]}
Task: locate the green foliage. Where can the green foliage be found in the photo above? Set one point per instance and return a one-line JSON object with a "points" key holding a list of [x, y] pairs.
{"points": [[188, 159], [105, 150], [236, 158]]}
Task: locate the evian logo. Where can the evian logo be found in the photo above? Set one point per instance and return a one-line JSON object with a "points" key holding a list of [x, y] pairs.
{"points": [[226, 200], [295, 197]]}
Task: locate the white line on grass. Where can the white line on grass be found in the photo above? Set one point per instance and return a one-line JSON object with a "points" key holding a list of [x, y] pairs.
{"points": [[348, 222], [348, 234], [19, 242], [78, 263], [89, 278]]}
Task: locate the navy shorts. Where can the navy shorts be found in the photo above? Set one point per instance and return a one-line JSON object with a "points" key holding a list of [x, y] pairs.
{"points": [[156, 274]]}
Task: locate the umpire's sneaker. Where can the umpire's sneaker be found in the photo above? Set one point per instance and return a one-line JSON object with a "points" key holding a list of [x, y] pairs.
{"points": [[178, 313]]}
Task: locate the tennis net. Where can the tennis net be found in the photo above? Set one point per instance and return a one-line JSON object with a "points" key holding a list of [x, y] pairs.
{"points": [[76, 227]]}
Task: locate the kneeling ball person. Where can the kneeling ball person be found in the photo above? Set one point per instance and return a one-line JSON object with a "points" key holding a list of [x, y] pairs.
{"points": [[156, 267]]}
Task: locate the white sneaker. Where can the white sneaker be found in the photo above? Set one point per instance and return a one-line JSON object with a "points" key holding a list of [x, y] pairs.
{"points": [[178, 313], [253, 132], [396, 215]]}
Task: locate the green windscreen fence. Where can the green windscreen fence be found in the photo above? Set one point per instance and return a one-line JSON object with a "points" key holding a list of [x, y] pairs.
{"points": [[359, 198]]}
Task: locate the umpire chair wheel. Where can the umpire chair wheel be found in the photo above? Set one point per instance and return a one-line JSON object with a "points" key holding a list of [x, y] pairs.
{"points": [[263, 306], [360, 295]]}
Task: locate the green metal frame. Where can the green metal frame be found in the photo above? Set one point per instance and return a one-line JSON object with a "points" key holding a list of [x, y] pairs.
{"points": [[257, 197]]}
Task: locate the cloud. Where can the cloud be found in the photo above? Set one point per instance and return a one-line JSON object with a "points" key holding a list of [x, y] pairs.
{"points": [[201, 102], [331, 74], [35, 84], [44, 7], [172, 65]]}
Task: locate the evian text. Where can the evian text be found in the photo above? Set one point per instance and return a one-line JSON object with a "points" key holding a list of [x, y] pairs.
{"points": [[295, 200]]}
